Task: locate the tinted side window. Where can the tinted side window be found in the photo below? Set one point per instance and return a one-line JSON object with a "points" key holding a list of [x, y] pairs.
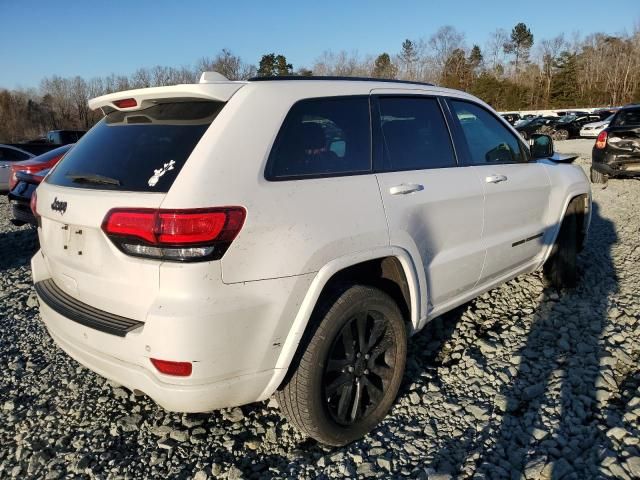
{"points": [[325, 136], [11, 155], [415, 134], [488, 139], [627, 117]]}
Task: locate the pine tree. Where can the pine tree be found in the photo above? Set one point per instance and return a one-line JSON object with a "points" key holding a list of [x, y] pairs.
{"points": [[564, 84], [409, 58], [519, 45], [384, 68], [272, 65], [475, 57]]}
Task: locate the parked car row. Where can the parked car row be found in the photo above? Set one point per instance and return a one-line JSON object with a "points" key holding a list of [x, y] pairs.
{"points": [[569, 124], [12, 153], [24, 165]]}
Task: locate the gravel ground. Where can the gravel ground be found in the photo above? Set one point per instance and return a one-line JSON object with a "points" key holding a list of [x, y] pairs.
{"points": [[520, 383]]}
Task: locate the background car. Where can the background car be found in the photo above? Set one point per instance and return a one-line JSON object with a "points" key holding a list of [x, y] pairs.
{"points": [[8, 156], [528, 127], [617, 148], [21, 194], [568, 126], [36, 164], [592, 130], [25, 177]]}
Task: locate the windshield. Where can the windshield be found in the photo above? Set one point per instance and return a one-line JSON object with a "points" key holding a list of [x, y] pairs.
{"points": [[627, 117], [567, 118], [139, 151]]}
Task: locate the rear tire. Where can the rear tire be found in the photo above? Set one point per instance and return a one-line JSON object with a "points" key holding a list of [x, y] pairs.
{"points": [[560, 269], [348, 368], [598, 177]]}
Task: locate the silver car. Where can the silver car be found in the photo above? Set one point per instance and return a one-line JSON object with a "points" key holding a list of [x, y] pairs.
{"points": [[9, 155]]}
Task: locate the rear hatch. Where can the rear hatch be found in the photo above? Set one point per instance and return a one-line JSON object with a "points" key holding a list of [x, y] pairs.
{"points": [[623, 139], [129, 159]]}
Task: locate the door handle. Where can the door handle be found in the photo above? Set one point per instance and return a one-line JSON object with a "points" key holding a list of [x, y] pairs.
{"points": [[495, 178], [405, 188]]}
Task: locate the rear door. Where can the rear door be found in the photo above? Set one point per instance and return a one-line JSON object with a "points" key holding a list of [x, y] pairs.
{"points": [[129, 159], [516, 190], [434, 207]]}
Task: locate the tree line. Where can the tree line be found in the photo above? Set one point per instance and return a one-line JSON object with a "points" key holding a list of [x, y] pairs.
{"points": [[511, 71]]}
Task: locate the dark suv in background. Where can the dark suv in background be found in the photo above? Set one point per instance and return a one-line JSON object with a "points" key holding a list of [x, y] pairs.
{"points": [[616, 152]]}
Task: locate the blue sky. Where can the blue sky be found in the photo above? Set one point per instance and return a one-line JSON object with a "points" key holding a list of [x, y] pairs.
{"points": [[93, 38]]}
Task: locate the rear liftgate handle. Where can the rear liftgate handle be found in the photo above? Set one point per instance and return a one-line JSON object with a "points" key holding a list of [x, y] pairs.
{"points": [[405, 188], [495, 178]]}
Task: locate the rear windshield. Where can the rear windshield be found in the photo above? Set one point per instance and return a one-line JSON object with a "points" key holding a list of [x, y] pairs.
{"points": [[624, 118], [139, 151]]}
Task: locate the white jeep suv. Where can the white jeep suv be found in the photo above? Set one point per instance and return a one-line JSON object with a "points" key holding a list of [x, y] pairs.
{"points": [[213, 244]]}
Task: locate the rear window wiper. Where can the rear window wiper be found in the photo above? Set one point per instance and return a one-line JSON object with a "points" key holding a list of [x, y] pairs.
{"points": [[93, 178]]}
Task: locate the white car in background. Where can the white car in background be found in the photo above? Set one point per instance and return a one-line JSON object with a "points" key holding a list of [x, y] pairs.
{"points": [[213, 244], [592, 130]]}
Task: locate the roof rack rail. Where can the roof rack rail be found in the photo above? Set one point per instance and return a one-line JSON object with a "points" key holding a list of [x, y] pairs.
{"points": [[354, 79]]}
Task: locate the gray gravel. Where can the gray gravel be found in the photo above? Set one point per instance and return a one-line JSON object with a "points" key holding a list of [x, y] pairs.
{"points": [[520, 383]]}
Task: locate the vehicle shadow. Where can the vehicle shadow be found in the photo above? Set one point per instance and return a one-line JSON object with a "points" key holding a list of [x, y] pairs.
{"points": [[17, 247], [547, 422]]}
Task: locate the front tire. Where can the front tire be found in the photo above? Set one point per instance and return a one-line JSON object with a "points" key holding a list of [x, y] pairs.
{"points": [[348, 369], [561, 134], [560, 269]]}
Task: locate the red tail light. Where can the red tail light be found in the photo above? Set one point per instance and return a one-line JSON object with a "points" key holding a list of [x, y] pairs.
{"points": [[30, 167], [33, 204], [126, 103], [177, 369], [179, 235], [601, 141]]}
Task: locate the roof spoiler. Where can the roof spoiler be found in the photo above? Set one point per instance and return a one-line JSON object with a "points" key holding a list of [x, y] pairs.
{"points": [[212, 86]]}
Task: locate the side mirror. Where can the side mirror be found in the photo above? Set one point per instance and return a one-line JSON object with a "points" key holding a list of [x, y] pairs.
{"points": [[541, 146]]}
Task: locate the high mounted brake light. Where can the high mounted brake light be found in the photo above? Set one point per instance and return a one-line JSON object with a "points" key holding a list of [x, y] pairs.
{"points": [[126, 103], [601, 141], [177, 235]]}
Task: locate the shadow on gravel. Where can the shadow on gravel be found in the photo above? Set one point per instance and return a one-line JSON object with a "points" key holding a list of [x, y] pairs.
{"points": [[17, 247], [557, 383]]}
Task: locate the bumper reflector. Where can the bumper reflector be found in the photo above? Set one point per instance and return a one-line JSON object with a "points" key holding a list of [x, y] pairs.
{"points": [[177, 369]]}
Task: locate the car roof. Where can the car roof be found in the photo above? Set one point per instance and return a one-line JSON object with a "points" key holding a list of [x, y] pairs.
{"points": [[337, 79], [303, 86], [11, 147]]}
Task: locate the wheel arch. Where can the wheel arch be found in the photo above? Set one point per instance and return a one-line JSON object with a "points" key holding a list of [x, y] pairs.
{"points": [[396, 268], [584, 219]]}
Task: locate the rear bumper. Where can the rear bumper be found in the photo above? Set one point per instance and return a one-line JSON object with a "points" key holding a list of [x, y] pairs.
{"points": [[627, 169], [233, 338], [21, 213]]}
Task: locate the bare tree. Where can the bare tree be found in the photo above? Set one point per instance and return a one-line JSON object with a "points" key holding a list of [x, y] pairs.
{"points": [[443, 43], [495, 50], [227, 64]]}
